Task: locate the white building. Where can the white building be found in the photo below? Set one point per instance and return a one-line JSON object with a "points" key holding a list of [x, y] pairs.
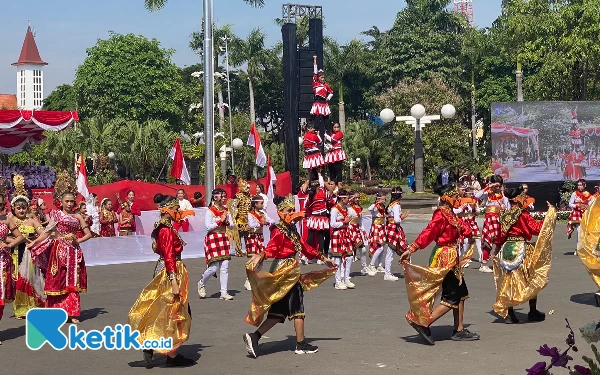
{"points": [[30, 75]]}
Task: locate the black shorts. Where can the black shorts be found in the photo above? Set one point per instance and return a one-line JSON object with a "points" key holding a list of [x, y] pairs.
{"points": [[453, 292], [291, 306]]}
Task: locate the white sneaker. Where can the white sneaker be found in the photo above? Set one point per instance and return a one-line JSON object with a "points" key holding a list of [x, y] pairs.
{"points": [[247, 285], [371, 270], [380, 269], [485, 269], [201, 291], [320, 261], [349, 284], [364, 271], [304, 261], [467, 264], [340, 286], [226, 297], [387, 277]]}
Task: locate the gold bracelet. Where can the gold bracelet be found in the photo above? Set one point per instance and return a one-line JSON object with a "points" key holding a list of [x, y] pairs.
{"points": [[39, 228]]}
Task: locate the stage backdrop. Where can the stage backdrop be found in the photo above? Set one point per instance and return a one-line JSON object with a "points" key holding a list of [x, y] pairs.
{"points": [[546, 141]]}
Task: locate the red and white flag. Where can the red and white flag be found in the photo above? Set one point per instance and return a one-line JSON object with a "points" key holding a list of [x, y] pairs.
{"points": [[179, 170], [254, 140], [271, 179], [82, 185]]}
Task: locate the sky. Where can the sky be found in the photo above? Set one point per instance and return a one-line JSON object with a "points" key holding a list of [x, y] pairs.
{"points": [[66, 28]]}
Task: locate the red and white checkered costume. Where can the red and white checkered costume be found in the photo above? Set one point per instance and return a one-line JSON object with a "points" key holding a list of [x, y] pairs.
{"points": [[317, 216], [255, 243], [494, 204], [393, 230], [216, 242], [313, 158], [466, 213], [377, 237], [355, 232], [578, 202], [336, 153], [340, 240], [323, 93]]}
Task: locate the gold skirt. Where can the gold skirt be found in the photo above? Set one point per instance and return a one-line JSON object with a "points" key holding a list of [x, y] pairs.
{"points": [[524, 282], [588, 247], [155, 314], [268, 288]]}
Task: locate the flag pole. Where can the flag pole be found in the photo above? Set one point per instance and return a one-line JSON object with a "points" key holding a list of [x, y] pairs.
{"points": [[162, 169]]}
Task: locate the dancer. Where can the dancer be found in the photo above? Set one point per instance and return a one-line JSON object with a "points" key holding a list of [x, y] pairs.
{"points": [[135, 211], [466, 213], [317, 216], [521, 268], [355, 231], [216, 244], [279, 293], [323, 93], [257, 220], [495, 202], [377, 238], [580, 199], [335, 155], [60, 256], [313, 157], [162, 309], [341, 246], [529, 201], [185, 209], [239, 208], [444, 274], [108, 218], [396, 239], [126, 220]]}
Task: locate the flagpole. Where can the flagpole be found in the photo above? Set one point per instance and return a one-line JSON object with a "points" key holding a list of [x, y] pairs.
{"points": [[162, 169], [209, 100]]}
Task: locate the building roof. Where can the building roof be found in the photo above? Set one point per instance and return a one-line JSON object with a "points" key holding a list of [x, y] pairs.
{"points": [[29, 51], [8, 101]]}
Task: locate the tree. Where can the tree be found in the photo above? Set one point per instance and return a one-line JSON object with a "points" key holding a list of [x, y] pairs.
{"points": [[153, 5], [132, 77], [62, 98]]}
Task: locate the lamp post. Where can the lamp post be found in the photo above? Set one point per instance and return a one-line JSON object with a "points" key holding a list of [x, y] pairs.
{"points": [[226, 40], [236, 144], [418, 120], [352, 162]]}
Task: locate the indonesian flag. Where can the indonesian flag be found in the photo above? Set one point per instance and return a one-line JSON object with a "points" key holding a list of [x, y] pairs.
{"points": [[82, 185], [271, 178], [179, 170], [254, 140]]}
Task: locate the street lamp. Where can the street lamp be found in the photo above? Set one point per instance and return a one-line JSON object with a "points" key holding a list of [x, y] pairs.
{"points": [[418, 120], [352, 162], [227, 39]]}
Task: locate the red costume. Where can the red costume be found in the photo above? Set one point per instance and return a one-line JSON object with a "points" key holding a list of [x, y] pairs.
{"points": [[7, 290], [255, 244], [281, 246], [578, 203], [525, 228], [135, 211], [312, 152], [336, 153], [107, 223], [377, 237], [340, 240], [168, 245], [317, 217], [323, 93], [467, 216], [394, 233], [354, 230], [216, 242]]}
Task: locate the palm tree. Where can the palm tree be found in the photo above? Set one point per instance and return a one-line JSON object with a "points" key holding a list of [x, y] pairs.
{"points": [[363, 139], [153, 5], [253, 53]]}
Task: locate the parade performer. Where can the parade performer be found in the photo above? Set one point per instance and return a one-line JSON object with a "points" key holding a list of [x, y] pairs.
{"points": [[29, 287], [377, 237], [466, 211], [521, 268], [126, 220], [580, 199], [7, 227], [588, 246], [322, 95], [495, 202], [335, 156], [61, 256], [444, 274], [317, 216], [279, 293], [394, 234], [239, 208], [257, 220], [313, 157], [529, 201], [185, 209], [355, 232], [216, 243], [108, 218], [162, 309], [135, 211], [341, 248]]}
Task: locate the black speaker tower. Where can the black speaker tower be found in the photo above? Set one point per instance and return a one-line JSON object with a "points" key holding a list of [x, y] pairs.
{"points": [[297, 77]]}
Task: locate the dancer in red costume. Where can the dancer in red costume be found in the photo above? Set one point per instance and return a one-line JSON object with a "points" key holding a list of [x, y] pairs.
{"points": [[357, 234], [313, 157], [341, 248], [466, 211], [335, 155], [61, 256], [377, 237], [322, 95], [257, 221], [394, 233], [579, 202]]}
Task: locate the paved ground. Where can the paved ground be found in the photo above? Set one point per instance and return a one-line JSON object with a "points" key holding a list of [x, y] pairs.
{"points": [[361, 331]]}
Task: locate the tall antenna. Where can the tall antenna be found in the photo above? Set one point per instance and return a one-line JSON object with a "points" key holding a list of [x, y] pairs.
{"points": [[465, 7]]}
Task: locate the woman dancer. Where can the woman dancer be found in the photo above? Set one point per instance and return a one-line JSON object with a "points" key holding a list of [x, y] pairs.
{"points": [[394, 233], [444, 274], [355, 232], [162, 309], [588, 247], [323, 93], [317, 216], [216, 243], [257, 220], [580, 199], [313, 157], [185, 209], [82, 210], [126, 220], [466, 213], [60, 256], [108, 218], [335, 155], [521, 268], [135, 211], [378, 238], [279, 293], [341, 247], [29, 288]]}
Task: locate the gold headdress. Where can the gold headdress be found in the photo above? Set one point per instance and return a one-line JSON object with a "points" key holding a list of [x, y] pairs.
{"points": [[243, 185], [65, 184], [170, 204], [288, 202], [19, 192]]}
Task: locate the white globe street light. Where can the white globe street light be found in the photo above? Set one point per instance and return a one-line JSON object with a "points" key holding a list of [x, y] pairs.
{"points": [[111, 155], [300, 140], [387, 115], [417, 111], [237, 144], [358, 160], [448, 111]]}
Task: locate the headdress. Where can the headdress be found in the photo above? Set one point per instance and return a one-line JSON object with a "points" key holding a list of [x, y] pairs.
{"points": [[169, 205], [104, 200], [19, 192], [288, 202], [521, 199], [243, 185], [65, 184]]}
